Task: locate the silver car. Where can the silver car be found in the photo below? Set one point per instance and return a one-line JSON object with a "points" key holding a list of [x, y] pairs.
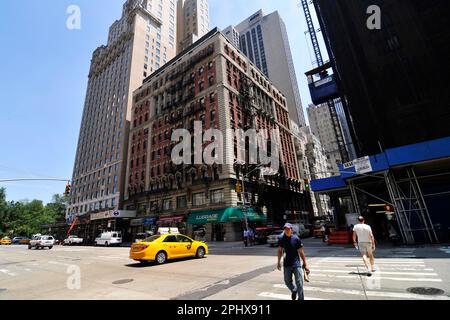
{"points": [[274, 237], [41, 242]]}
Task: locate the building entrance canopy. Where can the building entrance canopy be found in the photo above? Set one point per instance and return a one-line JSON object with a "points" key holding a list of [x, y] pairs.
{"points": [[225, 215]]}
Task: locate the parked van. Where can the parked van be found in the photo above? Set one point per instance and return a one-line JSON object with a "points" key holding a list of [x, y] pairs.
{"points": [[107, 239]]}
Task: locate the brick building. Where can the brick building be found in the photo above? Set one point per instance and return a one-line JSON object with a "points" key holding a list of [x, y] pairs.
{"points": [[212, 82]]}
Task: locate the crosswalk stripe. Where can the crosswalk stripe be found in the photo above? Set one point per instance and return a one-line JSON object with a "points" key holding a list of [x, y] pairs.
{"points": [[379, 294], [374, 275], [281, 296], [382, 272], [7, 272]]}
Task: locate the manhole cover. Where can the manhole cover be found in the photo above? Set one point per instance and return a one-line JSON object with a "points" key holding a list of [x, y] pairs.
{"points": [[426, 291], [123, 281]]}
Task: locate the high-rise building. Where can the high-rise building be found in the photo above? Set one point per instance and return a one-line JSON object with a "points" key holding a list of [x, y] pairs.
{"points": [[192, 22], [393, 78], [264, 40], [216, 85], [319, 168], [322, 127], [231, 33], [138, 44]]}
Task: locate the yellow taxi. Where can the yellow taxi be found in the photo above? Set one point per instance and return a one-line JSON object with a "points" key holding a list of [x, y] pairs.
{"points": [[160, 248], [5, 241]]}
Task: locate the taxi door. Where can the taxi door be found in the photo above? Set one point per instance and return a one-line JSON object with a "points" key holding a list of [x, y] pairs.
{"points": [[185, 248], [171, 246]]}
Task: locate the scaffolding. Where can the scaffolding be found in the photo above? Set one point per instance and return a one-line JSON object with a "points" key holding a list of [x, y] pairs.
{"points": [[408, 200], [410, 206]]}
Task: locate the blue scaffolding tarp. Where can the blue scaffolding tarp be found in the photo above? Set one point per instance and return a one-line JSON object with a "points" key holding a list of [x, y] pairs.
{"points": [[391, 158]]}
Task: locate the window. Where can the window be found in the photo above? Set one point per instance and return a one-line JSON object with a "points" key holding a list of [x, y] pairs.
{"points": [[198, 199], [170, 239], [217, 196], [183, 239], [181, 202], [167, 204]]}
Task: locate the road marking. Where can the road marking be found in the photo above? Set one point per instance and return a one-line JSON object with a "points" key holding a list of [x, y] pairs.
{"points": [[59, 263], [381, 272], [379, 294], [320, 275], [281, 296], [7, 272]]}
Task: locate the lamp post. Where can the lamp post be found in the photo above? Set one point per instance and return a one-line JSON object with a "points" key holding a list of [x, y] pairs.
{"points": [[241, 163]]}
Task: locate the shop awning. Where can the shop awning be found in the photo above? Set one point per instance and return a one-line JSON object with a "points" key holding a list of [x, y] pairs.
{"points": [[164, 220], [225, 215]]}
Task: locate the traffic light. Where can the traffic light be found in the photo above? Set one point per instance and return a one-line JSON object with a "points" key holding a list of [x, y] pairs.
{"points": [[67, 191], [238, 187], [307, 186]]}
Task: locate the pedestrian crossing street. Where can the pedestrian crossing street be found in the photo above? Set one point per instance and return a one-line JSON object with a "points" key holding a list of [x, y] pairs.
{"points": [[345, 278]]}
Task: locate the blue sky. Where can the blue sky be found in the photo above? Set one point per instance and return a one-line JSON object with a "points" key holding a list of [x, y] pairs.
{"points": [[44, 68]]}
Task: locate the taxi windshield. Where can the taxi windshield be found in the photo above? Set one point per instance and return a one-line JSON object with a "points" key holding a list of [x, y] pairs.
{"points": [[152, 238]]}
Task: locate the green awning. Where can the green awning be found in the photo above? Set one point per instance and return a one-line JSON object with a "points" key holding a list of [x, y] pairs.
{"points": [[225, 215]]}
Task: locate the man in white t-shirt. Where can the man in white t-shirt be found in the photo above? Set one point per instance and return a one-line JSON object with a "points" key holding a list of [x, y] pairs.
{"points": [[364, 241]]}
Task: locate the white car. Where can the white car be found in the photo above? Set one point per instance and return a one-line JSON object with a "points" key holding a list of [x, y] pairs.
{"points": [[274, 237], [109, 239], [71, 240], [41, 242]]}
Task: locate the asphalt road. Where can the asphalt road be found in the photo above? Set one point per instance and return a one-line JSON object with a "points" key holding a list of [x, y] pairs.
{"points": [[230, 272]]}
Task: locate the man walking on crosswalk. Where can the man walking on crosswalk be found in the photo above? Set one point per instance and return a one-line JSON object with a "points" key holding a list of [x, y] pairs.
{"points": [[364, 241], [292, 246]]}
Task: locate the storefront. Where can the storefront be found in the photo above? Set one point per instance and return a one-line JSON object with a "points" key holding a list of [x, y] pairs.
{"points": [[114, 220], [174, 222], [223, 224], [143, 226]]}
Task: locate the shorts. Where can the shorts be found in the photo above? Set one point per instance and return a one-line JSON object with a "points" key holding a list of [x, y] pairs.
{"points": [[365, 248]]}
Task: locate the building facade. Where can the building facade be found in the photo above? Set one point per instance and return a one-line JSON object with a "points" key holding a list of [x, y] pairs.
{"points": [[393, 80], [192, 22], [319, 168], [322, 127], [264, 40], [138, 44], [213, 83]]}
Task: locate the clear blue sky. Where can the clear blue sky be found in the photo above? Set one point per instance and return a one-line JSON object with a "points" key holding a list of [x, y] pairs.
{"points": [[44, 68]]}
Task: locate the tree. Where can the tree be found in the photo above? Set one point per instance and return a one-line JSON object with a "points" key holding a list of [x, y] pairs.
{"points": [[25, 218]]}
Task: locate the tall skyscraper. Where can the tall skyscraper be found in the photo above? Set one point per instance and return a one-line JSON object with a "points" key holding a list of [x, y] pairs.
{"points": [[264, 40], [138, 44], [393, 78], [192, 22]]}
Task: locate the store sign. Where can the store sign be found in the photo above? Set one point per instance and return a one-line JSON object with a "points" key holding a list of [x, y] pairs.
{"points": [[149, 221], [363, 165], [136, 222], [113, 214]]}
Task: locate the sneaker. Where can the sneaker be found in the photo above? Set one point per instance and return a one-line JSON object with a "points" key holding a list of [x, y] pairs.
{"points": [[294, 295]]}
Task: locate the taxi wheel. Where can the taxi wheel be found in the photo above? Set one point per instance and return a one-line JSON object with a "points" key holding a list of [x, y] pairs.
{"points": [[29, 247], [161, 257], [200, 253]]}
